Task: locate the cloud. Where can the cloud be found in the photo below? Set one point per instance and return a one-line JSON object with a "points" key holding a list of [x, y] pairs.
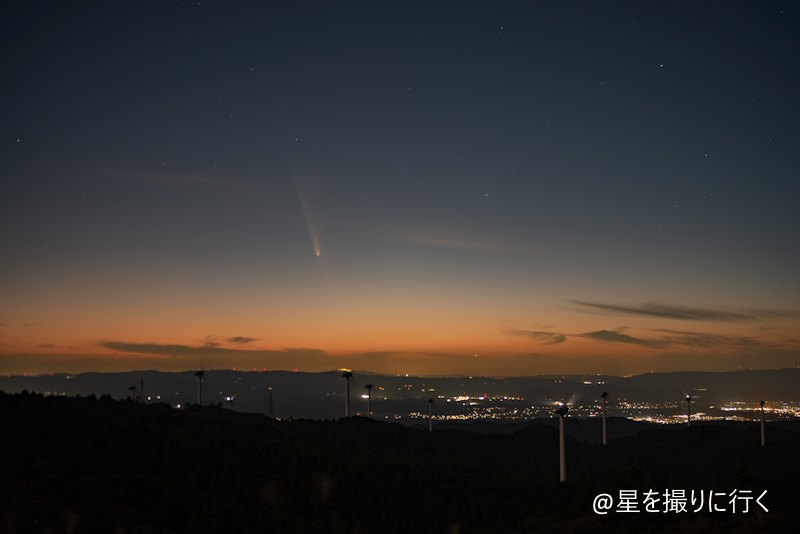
{"points": [[211, 354], [715, 342], [46, 346], [241, 339], [611, 336], [687, 313], [692, 342], [210, 342], [690, 351], [155, 348], [547, 338], [618, 337], [182, 357]]}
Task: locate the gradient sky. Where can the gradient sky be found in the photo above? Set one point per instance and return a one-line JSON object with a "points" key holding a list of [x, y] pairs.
{"points": [[469, 187]]}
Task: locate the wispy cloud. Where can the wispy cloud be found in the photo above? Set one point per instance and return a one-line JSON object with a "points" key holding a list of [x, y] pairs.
{"points": [[211, 353], [618, 337], [663, 338], [45, 345], [610, 336], [308, 359], [686, 313], [241, 339], [209, 342], [725, 354], [715, 342], [547, 338]]}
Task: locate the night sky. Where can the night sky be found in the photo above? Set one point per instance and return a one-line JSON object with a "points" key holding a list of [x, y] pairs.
{"points": [[469, 187]]}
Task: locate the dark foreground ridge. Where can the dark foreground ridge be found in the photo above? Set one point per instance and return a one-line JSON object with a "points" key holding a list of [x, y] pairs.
{"points": [[99, 465]]}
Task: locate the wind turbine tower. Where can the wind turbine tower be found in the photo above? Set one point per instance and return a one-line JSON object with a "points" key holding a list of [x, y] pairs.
{"points": [[132, 389], [605, 403], [562, 460], [200, 374], [688, 411], [430, 415], [271, 411], [347, 375], [762, 423], [141, 390], [369, 399]]}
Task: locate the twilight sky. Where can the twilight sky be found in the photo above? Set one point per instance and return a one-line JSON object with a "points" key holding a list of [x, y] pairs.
{"points": [[494, 188]]}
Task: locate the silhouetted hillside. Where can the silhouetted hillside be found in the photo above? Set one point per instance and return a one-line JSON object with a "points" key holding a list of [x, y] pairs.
{"points": [[98, 465]]}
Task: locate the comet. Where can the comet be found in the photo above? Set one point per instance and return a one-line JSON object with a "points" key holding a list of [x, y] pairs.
{"points": [[312, 233]]}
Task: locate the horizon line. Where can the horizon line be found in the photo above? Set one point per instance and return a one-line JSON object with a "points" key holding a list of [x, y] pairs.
{"points": [[402, 375]]}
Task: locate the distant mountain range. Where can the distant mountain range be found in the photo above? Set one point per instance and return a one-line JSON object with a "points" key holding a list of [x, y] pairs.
{"points": [[320, 395]]}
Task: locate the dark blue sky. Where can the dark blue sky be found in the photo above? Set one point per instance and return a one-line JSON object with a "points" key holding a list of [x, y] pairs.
{"points": [[168, 170]]}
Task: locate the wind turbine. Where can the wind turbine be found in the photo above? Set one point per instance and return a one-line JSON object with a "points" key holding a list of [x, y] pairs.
{"points": [[604, 395], [430, 415], [200, 374], [369, 399], [271, 406], [762, 423], [132, 389], [229, 400], [346, 375], [141, 390], [688, 410], [562, 461]]}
